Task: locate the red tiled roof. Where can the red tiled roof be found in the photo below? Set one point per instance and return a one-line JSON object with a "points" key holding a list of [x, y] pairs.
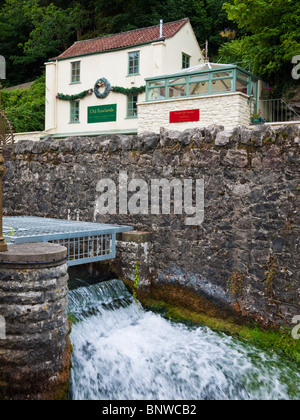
{"points": [[124, 39]]}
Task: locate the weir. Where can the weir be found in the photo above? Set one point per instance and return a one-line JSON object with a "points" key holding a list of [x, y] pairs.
{"points": [[123, 352], [86, 242]]}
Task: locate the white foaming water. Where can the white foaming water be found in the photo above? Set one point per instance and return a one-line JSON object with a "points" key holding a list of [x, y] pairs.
{"points": [[122, 352]]}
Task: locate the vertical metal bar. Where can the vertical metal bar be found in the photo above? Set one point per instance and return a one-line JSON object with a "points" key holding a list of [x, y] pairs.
{"points": [[233, 87], [285, 110], [113, 245], [3, 245]]}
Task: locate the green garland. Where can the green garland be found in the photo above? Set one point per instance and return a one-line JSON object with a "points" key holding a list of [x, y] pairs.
{"points": [[81, 95], [132, 91], [118, 89]]}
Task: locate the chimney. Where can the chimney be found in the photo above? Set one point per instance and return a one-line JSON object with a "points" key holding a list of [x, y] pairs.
{"points": [[161, 28]]}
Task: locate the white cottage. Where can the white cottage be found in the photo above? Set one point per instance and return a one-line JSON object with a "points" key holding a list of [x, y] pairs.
{"points": [[96, 85]]}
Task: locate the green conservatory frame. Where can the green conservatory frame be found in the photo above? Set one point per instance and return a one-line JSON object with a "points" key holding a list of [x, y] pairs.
{"points": [[193, 82]]}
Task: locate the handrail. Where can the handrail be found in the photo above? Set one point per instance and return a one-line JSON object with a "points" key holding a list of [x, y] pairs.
{"points": [[277, 110]]}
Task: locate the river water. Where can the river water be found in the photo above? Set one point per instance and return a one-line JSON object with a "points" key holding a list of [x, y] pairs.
{"points": [[122, 352]]}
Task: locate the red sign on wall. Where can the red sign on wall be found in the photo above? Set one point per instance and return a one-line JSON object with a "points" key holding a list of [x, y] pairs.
{"points": [[185, 116]]}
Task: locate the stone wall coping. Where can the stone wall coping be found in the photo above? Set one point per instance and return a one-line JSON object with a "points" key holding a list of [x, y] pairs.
{"points": [[193, 98], [38, 253], [137, 237], [258, 136]]}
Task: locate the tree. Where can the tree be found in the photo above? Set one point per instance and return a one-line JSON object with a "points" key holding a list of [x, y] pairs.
{"points": [[32, 31], [272, 34], [54, 29], [14, 29]]}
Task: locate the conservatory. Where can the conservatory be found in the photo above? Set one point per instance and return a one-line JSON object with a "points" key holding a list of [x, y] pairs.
{"points": [[199, 96], [206, 79]]}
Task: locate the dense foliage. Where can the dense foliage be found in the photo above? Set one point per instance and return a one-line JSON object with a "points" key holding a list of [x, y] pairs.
{"points": [[266, 32], [271, 37], [26, 107], [32, 31]]}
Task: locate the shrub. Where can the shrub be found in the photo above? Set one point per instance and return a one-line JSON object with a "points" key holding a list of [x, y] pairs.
{"points": [[26, 107]]}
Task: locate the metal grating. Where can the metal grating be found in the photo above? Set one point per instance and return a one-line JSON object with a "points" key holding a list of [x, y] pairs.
{"points": [[86, 242], [91, 248]]}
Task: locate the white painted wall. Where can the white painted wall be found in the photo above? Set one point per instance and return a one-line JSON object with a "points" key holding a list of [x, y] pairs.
{"points": [[155, 59]]}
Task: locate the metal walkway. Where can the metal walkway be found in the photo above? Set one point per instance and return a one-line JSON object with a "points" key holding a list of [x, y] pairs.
{"points": [[86, 242]]}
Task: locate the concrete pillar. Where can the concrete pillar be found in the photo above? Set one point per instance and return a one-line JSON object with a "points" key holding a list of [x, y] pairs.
{"points": [[35, 351]]}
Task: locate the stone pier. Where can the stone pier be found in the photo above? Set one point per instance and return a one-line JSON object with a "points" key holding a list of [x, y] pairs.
{"points": [[35, 350]]}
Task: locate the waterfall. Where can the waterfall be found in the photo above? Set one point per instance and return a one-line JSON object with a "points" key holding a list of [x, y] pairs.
{"points": [[122, 352]]}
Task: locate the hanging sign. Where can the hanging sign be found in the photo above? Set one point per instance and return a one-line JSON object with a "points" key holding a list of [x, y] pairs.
{"points": [[102, 113], [185, 116]]}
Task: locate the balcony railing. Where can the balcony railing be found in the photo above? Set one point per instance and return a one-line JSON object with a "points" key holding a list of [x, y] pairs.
{"points": [[276, 110]]}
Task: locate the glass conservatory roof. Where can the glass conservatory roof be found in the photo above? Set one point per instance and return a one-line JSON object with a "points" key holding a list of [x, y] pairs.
{"points": [[201, 80], [201, 68]]}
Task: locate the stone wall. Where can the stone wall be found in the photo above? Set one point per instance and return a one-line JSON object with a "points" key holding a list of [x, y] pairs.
{"points": [[230, 110], [244, 255]]}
